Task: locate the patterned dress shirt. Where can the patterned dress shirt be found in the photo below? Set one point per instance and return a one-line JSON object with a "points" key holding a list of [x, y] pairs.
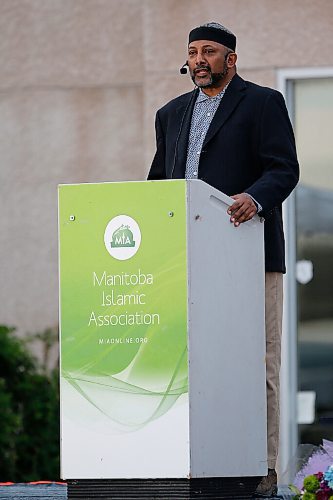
{"points": [[204, 109]]}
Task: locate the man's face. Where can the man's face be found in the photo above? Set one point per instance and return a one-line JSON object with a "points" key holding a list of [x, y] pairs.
{"points": [[207, 63]]}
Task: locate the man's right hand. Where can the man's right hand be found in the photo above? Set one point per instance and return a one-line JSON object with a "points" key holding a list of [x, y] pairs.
{"points": [[242, 210]]}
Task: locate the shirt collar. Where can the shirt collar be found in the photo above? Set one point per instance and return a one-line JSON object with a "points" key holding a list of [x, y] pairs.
{"points": [[204, 97]]}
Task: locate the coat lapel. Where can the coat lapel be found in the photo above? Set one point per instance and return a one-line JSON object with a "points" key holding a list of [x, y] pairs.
{"points": [[184, 116], [233, 95]]}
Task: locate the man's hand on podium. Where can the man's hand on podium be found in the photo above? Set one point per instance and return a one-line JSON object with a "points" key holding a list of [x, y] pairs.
{"points": [[242, 210]]}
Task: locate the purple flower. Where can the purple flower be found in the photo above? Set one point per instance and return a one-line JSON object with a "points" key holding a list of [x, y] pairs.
{"points": [[328, 447]]}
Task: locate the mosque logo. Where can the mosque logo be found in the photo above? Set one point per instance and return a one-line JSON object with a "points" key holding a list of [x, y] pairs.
{"points": [[122, 237]]}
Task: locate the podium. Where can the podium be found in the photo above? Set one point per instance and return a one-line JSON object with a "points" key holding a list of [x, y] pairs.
{"points": [[162, 333]]}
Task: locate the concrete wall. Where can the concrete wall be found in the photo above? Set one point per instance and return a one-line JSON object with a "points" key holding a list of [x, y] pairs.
{"points": [[80, 81], [71, 110]]}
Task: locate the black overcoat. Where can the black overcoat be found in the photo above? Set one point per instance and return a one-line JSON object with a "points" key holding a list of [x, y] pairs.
{"points": [[249, 147]]}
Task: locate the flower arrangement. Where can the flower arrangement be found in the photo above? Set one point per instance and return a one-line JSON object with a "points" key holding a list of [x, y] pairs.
{"points": [[311, 484]]}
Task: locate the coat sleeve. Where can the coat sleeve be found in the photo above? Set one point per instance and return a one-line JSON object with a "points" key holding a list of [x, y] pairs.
{"points": [[277, 155], [157, 169]]}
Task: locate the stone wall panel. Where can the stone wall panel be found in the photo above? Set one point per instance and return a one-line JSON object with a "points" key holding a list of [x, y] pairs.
{"points": [[70, 42], [47, 138]]}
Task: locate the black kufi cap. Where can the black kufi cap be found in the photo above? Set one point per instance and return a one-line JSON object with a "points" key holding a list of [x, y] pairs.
{"points": [[214, 34]]}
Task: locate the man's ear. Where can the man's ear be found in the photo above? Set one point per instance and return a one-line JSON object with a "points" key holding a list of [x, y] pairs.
{"points": [[231, 60]]}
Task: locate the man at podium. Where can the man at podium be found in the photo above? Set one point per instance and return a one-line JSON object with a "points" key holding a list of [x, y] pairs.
{"points": [[237, 137]]}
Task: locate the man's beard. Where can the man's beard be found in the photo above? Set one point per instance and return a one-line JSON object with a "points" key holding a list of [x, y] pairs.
{"points": [[215, 78]]}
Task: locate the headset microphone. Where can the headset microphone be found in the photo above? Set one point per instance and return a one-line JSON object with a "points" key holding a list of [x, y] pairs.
{"points": [[183, 69]]}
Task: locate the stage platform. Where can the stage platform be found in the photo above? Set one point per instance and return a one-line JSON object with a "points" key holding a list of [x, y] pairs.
{"points": [[22, 491]]}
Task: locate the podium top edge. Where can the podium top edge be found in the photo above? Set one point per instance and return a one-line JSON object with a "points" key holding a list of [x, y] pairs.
{"points": [[129, 182]]}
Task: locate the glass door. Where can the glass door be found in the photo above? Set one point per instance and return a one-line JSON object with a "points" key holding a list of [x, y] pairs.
{"points": [[313, 123]]}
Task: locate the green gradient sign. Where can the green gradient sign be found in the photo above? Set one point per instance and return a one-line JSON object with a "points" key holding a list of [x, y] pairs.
{"points": [[123, 302]]}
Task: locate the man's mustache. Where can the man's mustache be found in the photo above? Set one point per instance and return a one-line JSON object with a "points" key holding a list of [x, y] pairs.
{"points": [[200, 68]]}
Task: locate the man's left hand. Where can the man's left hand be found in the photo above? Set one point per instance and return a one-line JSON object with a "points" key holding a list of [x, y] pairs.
{"points": [[242, 210]]}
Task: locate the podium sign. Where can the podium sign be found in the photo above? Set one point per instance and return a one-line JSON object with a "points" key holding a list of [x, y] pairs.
{"points": [[136, 285], [123, 330]]}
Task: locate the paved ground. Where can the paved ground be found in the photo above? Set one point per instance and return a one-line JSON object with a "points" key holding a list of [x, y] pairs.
{"points": [[26, 491]]}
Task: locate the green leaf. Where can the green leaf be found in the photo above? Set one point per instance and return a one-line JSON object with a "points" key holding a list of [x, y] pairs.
{"points": [[295, 490]]}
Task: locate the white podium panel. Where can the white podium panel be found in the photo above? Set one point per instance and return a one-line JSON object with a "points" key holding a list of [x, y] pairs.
{"points": [[226, 339]]}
